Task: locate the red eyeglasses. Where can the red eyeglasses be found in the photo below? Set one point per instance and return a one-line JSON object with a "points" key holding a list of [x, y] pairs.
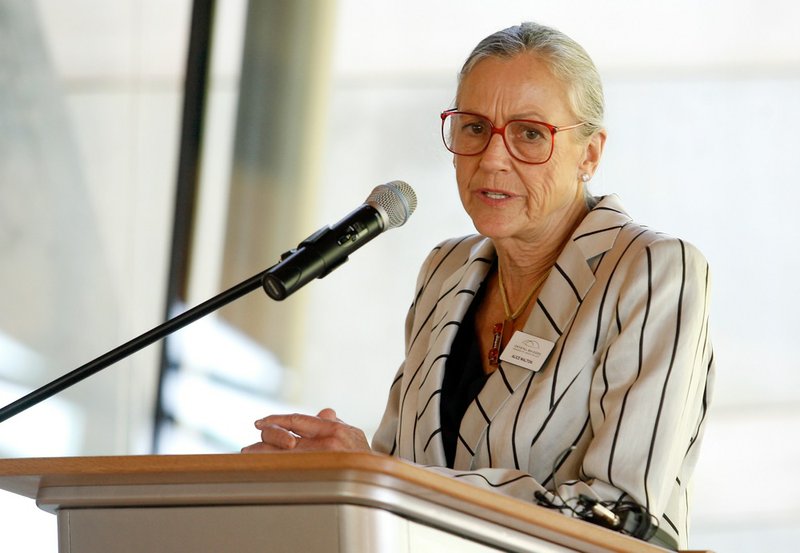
{"points": [[469, 134]]}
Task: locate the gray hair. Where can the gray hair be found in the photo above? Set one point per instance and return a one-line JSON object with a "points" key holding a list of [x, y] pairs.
{"points": [[567, 60]]}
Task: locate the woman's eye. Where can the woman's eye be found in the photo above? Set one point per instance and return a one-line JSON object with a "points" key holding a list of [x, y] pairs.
{"points": [[475, 128], [531, 134]]}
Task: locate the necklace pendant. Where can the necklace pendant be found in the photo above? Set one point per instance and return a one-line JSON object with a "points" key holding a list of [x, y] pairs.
{"points": [[497, 341]]}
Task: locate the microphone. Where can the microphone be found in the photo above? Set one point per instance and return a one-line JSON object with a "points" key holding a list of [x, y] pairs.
{"points": [[388, 206]]}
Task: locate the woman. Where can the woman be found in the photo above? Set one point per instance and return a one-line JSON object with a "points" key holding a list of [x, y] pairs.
{"points": [[563, 352]]}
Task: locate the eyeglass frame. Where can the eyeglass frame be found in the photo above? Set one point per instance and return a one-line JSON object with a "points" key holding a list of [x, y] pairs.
{"points": [[502, 132]]}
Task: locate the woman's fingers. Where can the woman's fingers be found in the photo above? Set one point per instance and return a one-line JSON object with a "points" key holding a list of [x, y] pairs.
{"points": [[306, 426], [277, 436], [328, 414], [309, 433]]}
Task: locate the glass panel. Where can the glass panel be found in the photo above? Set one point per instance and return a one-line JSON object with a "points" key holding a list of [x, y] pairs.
{"points": [[231, 367], [86, 176], [90, 96]]}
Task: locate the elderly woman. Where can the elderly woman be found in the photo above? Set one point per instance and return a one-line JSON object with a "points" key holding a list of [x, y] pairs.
{"points": [[562, 354]]}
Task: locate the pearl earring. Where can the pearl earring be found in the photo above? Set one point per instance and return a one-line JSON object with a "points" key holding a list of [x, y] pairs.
{"points": [[585, 177]]}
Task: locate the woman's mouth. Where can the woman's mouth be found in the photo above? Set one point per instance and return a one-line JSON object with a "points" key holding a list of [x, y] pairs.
{"points": [[495, 195]]}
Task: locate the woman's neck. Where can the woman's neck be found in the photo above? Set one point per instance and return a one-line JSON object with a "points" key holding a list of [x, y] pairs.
{"points": [[524, 261]]}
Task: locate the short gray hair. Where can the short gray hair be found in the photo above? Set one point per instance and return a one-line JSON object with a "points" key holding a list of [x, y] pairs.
{"points": [[567, 60]]}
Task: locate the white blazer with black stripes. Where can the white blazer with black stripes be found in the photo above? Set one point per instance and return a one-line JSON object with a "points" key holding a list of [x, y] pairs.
{"points": [[618, 408]]}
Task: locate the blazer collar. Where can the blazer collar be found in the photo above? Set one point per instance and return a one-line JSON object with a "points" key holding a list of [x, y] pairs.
{"points": [[468, 277], [573, 274], [599, 229]]}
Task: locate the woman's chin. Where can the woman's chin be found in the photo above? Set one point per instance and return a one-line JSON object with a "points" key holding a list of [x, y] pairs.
{"points": [[496, 230]]}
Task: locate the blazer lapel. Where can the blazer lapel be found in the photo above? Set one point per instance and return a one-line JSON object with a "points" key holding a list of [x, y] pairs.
{"points": [[498, 388], [457, 291], [455, 296], [568, 284], [572, 276]]}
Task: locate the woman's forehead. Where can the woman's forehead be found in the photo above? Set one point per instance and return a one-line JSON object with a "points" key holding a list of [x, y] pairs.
{"points": [[520, 86]]}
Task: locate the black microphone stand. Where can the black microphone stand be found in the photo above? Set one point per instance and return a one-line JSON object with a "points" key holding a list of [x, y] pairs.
{"points": [[133, 346]]}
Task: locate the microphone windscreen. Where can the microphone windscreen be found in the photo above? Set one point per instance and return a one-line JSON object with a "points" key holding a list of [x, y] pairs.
{"points": [[396, 200]]}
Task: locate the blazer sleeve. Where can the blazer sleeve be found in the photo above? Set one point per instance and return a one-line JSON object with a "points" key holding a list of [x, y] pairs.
{"points": [[649, 393], [385, 438]]}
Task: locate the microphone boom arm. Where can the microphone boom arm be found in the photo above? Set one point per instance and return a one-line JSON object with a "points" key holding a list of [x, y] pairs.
{"points": [[132, 346]]}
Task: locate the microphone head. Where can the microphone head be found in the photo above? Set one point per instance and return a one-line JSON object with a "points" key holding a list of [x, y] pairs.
{"points": [[395, 200]]}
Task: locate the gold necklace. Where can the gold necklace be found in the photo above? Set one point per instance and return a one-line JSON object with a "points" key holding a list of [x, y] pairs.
{"points": [[498, 330]]}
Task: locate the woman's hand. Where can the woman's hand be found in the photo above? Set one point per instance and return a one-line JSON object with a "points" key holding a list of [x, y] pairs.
{"points": [[296, 432]]}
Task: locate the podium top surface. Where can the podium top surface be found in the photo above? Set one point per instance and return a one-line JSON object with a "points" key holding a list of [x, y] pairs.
{"points": [[33, 478]]}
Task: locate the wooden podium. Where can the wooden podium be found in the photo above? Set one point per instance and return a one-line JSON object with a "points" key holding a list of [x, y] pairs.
{"points": [[287, 502]]}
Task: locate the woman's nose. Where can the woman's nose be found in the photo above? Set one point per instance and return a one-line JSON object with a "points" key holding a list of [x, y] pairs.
{"points": [[496, 154]]}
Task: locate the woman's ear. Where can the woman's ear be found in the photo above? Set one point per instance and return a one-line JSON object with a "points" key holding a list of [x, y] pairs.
{"points": [[592, 153]]}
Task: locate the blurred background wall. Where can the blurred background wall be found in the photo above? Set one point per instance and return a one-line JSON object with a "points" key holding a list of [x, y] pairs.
{"points": [[310, 105]]}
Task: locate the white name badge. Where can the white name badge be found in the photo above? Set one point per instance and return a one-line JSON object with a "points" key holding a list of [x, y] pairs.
{"points": [[527, 351]]}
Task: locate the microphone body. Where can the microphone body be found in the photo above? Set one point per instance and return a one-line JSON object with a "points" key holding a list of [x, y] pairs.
{"points": [[322, 252], [390, 205]]}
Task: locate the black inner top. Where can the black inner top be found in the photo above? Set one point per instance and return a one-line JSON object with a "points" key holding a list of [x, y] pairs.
{"points": [[463, 378]]}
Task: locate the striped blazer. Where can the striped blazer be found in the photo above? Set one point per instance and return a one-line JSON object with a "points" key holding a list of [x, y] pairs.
{"points": [[617, 409]]}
